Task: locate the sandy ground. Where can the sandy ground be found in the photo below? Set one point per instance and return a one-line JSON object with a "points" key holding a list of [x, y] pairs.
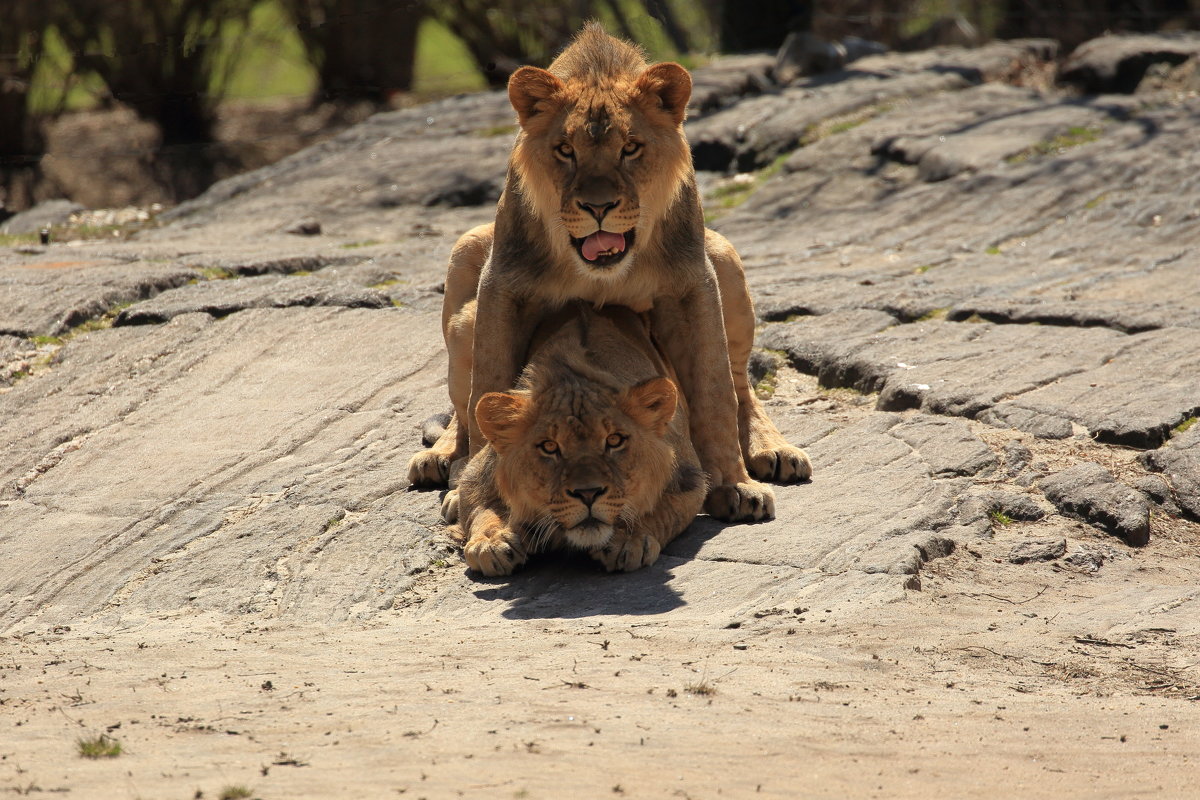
{"points": [[984, 683]]}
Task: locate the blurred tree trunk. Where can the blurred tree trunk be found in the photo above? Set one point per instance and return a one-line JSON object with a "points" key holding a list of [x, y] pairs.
{"points": [[168, 60], [362, 49], [1073, 22], [744, 25], [21, 43]]}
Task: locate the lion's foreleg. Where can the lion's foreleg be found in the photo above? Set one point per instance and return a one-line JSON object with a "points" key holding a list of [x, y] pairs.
{"points": [[692, 332], [768, 456]]}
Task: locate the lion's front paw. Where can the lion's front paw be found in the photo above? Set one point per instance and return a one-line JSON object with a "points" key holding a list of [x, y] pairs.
{"points": [[741, 502], [450, 506], [429, 468], [498, 552], [782, 464], [628, 551]]}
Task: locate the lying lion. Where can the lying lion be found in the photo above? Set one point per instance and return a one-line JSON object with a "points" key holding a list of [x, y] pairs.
{"points": [[592, 451], [601, 205]]}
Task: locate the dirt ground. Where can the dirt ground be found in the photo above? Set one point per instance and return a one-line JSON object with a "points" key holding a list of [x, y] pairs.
{"points": [[980, 684]]}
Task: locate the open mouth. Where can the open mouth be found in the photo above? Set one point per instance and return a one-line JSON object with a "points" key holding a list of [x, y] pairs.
{"points": [[604, 248]]}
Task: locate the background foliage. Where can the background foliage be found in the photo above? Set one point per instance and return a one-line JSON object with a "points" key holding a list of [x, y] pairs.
{"points": [[174, 62]]}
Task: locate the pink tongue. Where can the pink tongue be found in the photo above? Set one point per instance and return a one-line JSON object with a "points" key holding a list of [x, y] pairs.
{"points": [[600, 241]]}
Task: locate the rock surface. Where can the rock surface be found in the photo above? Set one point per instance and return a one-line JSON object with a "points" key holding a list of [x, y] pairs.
{"points": [[978, 298], [1091, 493]]}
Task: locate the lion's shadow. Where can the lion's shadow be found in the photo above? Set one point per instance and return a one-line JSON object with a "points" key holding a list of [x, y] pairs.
{"points": [[569, 585]]}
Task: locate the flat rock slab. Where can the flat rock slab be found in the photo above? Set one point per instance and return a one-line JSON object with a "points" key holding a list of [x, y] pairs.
{"points": [[1118, 63], [274, 482], [1091, 493], [43, 215], [1037, 550], [42, 296], [221, 298], [1032, 378]]}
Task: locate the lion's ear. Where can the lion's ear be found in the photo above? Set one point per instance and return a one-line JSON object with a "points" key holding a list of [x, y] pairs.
{"points": [[531, 91], [651, 404], [501, 418], [669, 87]]}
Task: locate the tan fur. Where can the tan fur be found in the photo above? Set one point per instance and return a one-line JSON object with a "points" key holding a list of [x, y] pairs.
{"points": [[591, 452], [572, 173]]}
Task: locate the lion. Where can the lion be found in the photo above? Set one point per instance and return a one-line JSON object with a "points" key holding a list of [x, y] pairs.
{"points": [[591, 452], [600, 204]]}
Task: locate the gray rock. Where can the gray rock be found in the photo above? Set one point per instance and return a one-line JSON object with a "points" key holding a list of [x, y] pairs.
{"points": [[223, 297], [1118, 63], [727, 80], [1091, 493], [762, 363], [309, 226], [49, 295], [43, 215], [1016, 457], [947, 445], [1088, 558], [1037, 550], [1179, 462], [1014, 505]]}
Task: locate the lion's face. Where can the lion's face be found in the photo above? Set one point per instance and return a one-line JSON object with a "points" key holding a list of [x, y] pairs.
{"points": [[601, 160], [576, 457]]}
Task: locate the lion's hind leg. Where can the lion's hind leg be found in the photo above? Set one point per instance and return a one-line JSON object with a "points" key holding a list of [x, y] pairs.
{"points": [[431, 467], [768, 456]]}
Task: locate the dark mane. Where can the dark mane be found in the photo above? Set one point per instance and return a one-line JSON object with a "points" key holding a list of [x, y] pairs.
{"points": [[594, 55]]}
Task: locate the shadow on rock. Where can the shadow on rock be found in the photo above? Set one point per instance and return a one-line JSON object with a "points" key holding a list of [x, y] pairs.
{"points": [[567, 585]]}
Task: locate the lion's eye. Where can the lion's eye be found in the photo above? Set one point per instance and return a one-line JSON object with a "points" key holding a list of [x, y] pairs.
{"points": [[631, 149], [565, 151], [549, 447], [615, 440]]}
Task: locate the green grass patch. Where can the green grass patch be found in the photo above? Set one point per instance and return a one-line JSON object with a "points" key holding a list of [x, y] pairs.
{"points": [[217, 273], [999, 517], [993, 251], [737, 189], [269, 61], [936, 313], [1185, 425], [1074, 137], [1095, 201], [102, 746], [235, 793], [17, 239], [444, 65], [921, 270], [497, 130]]}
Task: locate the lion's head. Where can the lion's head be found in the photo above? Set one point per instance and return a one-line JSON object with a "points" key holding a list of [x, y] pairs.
{"points": [[574, 454], [601, 153]]}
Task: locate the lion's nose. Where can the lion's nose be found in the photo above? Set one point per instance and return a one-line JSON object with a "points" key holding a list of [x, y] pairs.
{"points": [[589, 495], [599, 210]]}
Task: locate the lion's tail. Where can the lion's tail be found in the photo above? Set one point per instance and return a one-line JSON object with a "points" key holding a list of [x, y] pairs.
{"points": [[433, 428]]}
